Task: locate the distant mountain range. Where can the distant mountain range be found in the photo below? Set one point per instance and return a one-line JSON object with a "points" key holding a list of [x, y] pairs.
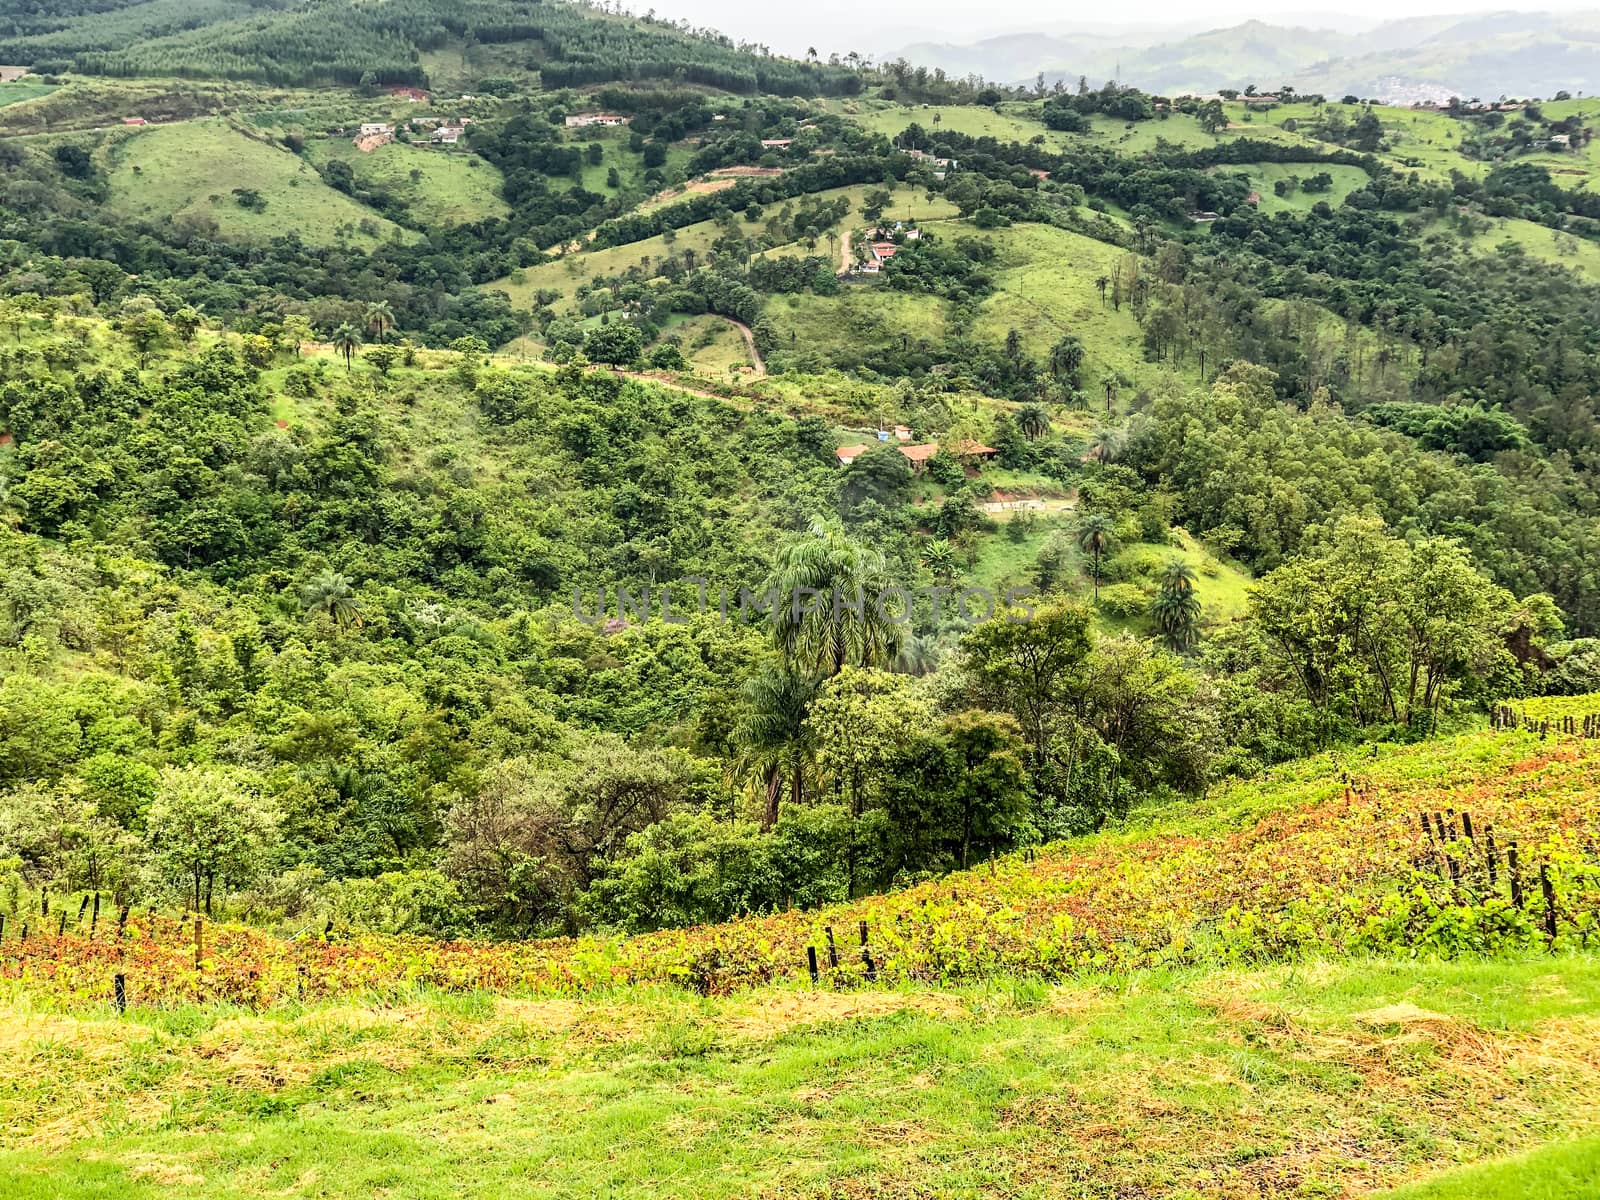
{"points": [[1485, 55]]}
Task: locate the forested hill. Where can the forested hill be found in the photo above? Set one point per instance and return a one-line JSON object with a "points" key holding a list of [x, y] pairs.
{"points": [[342, 41]]}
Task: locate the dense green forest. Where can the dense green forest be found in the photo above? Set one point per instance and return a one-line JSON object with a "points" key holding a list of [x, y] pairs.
{"points": [[337, 41], [316, 536]]}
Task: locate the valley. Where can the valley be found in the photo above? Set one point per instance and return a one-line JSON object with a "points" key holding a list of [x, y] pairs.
{"points": [[591, 608]]}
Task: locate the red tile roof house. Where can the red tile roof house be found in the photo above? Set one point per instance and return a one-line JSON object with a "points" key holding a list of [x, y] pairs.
{"points": [[134, 121], [919, 455]]}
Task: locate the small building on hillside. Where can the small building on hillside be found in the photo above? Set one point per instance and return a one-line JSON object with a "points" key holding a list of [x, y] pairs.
{"points": [[974, 450], [134, 121], [776, 143], [584, 119], [918, 455], [411, 95], [882, 252], [375, 129]]}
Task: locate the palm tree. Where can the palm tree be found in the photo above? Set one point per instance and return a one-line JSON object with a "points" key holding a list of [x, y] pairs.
{"points": [[1178, 577], [1066, 360], [380, 318], [1095, 535], [939, 556], [1177, 613], [1102, 282], [1105, 445], [828, 613], [331, 593], [1033, 420], [917, 656], [346, 341], [1110, 383], [773, 736]]}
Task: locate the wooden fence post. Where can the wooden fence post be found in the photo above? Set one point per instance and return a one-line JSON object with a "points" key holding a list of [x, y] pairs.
{"points": [[811, 963], [1466, 825], [44, 903], [61, 923], [199, 941], [833, 951], [1494, 868], [119, 993], [2, 927], [122, 922], [83, 908], [94, 917], [1516, 877], [1549, 891]]}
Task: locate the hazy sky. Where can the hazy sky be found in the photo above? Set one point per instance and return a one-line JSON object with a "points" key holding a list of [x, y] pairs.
{"points": [[884, 27]]}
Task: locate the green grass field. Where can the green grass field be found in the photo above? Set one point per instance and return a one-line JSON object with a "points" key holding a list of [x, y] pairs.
{"points": [[855, 324], [566, 273], [711, 344], [193, 168], [19, 90], [1558, 1171], [1537, 241], [440, 185], [1316, 1079], [1264, 175], [1046, 279]]}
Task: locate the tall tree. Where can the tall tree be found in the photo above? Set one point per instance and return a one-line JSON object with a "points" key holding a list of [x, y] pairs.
{"points": [[773, 735], [1095, 537], [346, 341], [331, 593], [380, 318], [831, 609]]}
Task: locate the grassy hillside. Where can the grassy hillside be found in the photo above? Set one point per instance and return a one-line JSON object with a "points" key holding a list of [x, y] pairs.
{"points": [[439, 185], [1263, 176], [1046, 279], [1319, 856], [22, 89], [1177, 1057], [198, 169]]}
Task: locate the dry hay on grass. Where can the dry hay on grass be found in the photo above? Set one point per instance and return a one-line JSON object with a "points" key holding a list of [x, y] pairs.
{"points": [[778, 1014]]}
